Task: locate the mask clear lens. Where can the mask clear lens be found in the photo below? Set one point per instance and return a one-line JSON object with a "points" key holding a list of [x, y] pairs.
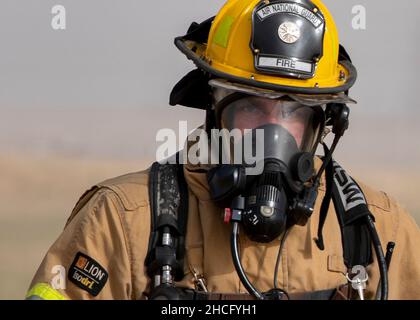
{"points": [[254, 112]]}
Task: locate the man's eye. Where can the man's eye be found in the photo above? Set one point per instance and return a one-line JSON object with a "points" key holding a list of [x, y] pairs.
{"points": [[292, 112], [249, 109], [288, 114]]}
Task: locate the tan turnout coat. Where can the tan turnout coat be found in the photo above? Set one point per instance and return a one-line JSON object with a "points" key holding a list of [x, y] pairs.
{"points": [[111, 224]]}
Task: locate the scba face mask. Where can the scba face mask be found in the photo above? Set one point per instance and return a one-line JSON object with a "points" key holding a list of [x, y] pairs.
{"points": [[282, 135]]}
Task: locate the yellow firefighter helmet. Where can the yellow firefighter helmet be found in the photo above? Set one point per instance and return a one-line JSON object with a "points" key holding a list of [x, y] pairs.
{"points": [[288, 46]]}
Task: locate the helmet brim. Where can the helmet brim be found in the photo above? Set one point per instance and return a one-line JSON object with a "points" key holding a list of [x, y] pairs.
{"points": [[305, 99]]}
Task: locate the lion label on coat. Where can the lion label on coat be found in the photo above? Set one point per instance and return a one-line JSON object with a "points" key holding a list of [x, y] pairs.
{"points": [[87, 274]]}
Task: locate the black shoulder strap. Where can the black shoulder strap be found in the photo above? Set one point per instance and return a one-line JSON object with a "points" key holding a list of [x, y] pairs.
{"points": [[351, 209], [168, 197]]}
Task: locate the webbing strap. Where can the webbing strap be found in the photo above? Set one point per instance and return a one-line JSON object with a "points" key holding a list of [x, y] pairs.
{"points": [[341, 293], [168, 194], [352, 210], [325, 205]]}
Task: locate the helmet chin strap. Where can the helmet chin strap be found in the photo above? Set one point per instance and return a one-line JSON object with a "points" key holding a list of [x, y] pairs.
{"points": [[304, 204]]}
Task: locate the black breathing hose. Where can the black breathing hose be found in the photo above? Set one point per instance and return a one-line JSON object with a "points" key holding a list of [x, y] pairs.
{"points": [[237, 262], [380, 257]]}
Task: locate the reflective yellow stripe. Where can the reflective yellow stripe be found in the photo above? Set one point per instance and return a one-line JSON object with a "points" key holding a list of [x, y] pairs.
{"points": [[45, 292], [222, 34]]}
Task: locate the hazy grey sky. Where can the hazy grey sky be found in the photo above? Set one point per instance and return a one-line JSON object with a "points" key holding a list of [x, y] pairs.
{"points": [[121, 53]]}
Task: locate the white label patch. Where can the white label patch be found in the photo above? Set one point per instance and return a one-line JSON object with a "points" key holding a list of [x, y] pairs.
{"points": [[284, 64], [275, 8]]}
